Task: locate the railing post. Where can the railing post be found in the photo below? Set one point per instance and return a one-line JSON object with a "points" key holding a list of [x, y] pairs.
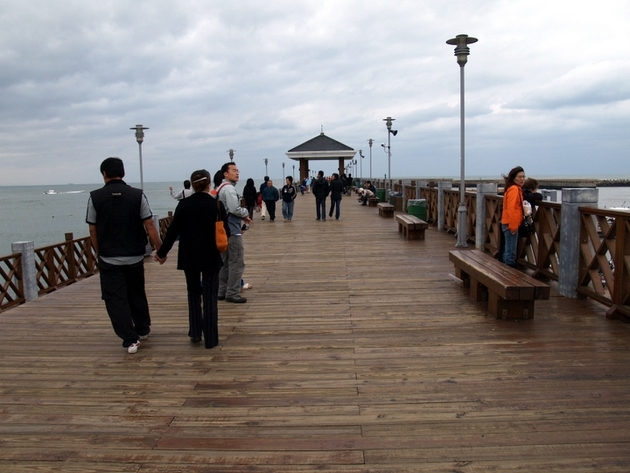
{"points": [[480, 223], [569, 261], [442, 185], [72, 262], [29, 272]]}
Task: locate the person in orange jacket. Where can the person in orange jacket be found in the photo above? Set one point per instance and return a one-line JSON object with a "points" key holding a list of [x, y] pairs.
{"points": [[512, 215]]}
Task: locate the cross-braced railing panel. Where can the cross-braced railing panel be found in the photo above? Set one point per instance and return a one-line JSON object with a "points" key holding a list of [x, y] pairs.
{"points": [[605, 259], [539, 251], [11, 289]]}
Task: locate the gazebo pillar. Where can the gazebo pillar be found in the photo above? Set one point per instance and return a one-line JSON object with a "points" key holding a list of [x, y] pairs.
{"points": [[303, 169], [341, 166]]}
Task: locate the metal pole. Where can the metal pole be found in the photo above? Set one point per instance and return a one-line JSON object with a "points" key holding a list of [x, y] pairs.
{"points": [[462, 216], [141, 175], [370, 142], [462, 52], [140, 138], [389, 159]]}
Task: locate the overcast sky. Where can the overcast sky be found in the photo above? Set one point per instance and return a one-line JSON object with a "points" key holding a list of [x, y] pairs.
{"points": [[547, 86]]}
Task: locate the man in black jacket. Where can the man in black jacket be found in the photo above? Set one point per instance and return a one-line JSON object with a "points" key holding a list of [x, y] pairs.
{"points": [[320, 191], [119, 218], [336, 189]]}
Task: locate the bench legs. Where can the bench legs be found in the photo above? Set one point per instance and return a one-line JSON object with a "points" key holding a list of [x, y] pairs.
{"points": [[503, 309], [497, 306]]}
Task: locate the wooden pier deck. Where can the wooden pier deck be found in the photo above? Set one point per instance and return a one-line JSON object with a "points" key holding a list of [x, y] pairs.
{"points": [[356, 352]]}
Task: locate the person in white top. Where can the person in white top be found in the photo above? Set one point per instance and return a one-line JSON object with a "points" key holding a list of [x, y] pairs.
{"points": [[185, 192]]}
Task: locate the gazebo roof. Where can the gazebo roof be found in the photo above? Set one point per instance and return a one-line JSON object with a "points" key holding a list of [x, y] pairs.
{"points": [[321, 147]]}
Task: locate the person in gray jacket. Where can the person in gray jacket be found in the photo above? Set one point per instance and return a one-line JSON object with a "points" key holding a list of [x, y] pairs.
{"points": [[234, 258]]}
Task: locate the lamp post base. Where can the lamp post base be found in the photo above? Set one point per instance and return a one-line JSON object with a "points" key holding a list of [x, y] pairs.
{"points": [[461, 227]]}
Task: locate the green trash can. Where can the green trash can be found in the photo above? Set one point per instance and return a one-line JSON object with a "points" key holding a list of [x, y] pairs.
{"points": [[380, 193], [417, 208]]}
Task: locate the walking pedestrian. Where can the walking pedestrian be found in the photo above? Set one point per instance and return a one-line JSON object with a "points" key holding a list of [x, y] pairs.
{"points": [[119, 219], [194, 222], [234, 258], [320, 191], [288, 199], [337, 186]]}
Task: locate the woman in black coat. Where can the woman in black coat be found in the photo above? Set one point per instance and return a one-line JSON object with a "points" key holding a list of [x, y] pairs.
{"points": [[249, 194], [198, 257]]}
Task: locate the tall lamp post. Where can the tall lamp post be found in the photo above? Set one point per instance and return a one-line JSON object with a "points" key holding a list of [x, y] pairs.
{"points": [[140, 138], [266, 161], [461, 42], [370, 142], [361, 165], [283, 178], [294, 172], [388, 122]]}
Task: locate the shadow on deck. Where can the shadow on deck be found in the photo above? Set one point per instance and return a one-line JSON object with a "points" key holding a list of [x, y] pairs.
{"points": [[356, 352]]}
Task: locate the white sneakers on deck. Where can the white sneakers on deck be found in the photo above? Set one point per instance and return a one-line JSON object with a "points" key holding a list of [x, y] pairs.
{"points": [[133, 348]]}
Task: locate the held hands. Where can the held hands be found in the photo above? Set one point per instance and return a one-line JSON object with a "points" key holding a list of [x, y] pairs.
{"points": [[158, 259]]}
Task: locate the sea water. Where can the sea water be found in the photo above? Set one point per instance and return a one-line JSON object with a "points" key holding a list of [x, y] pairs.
{"points": [[28, 213]]}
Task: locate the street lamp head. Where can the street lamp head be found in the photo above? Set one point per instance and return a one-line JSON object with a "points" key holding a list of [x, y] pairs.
{"points": [[370, 142], [461, 41], [393, 132], [361, 153], [139, 132], [388, 122]]}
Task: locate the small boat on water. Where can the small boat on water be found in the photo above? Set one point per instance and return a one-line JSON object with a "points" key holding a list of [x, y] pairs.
{"points": [[50, 192]]}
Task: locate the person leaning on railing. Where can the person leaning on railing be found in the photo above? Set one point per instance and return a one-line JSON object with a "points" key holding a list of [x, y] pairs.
{"points": [[512, 215]]}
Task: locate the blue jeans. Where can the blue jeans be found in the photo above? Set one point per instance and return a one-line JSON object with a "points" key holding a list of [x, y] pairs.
{"points": [[321, 207], [335, 205], [287, 210], [511, 243]]}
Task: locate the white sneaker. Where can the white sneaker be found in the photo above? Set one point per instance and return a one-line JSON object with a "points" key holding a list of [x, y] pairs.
{"points": [[144, 337], [133, 348]]}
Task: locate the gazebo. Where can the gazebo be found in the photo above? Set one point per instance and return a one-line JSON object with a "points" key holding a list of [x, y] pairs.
{"points": [[320, 148]]}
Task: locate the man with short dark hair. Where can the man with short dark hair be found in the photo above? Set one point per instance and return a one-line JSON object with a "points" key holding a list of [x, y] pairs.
{"points": [[185, 192], [119, 219], [234, 258], [320, 191]]}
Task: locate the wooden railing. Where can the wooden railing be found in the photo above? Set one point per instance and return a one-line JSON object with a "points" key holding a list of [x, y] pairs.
{"points": [[12, 290], [604, 237], [56, 266], [605, 259]]}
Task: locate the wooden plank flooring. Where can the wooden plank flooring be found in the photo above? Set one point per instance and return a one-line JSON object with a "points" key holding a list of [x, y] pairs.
{"points": [[356, 352]]}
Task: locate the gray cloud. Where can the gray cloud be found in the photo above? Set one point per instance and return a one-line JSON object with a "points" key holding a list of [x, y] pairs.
{"points": [[545, 85]]}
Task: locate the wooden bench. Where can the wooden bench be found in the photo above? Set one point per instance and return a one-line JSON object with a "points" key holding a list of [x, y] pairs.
{"points": [[386, 210], [411, 227], [510, 293], [373, 201]]}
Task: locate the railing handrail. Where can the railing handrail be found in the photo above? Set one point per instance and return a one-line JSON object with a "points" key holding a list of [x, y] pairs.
{"points": [[56, 266]]}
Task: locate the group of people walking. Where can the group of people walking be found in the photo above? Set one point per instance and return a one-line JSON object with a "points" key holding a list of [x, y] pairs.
{"points": [[119, 220]]}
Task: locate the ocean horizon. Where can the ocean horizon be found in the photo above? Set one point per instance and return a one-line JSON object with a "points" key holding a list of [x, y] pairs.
{"points": [[29, 213]]}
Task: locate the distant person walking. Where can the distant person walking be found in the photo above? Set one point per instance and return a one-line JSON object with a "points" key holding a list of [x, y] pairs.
{"points": [[512, 215], [119, 219], [270, 196], [320, 191], [194, 222], [249, 194], [185, 192], [337, 186], [288, 199]]}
